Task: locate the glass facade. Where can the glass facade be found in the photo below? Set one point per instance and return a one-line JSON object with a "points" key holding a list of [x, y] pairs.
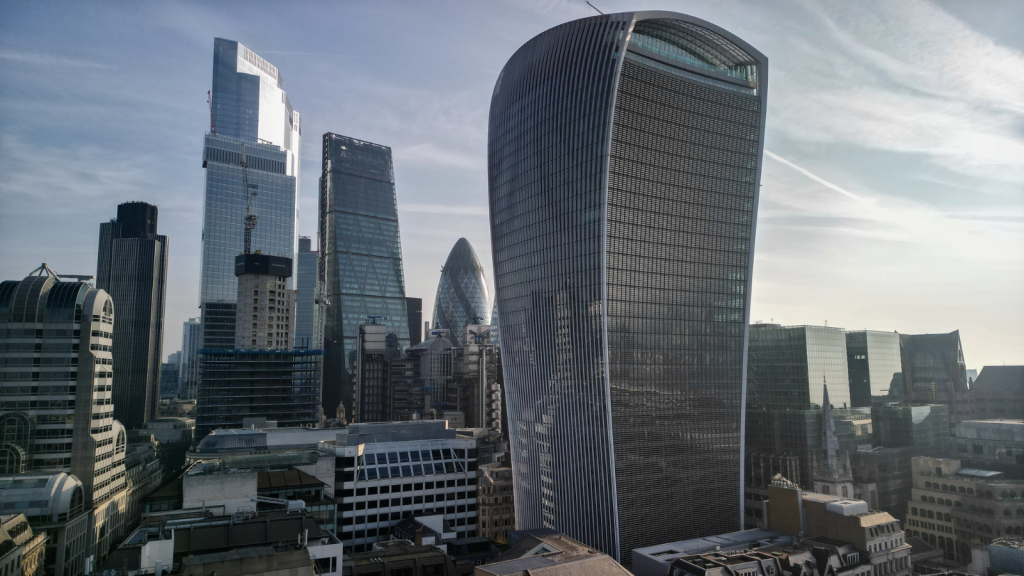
{"points": [[925, 428], [360, 258], [933, 367], [305, 301], [250, 108], [874, 362], [462, 292], [623, 194], [789, 365]]}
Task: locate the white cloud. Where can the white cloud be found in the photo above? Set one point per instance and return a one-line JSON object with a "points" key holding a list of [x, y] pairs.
{"points": [[429, 154]]}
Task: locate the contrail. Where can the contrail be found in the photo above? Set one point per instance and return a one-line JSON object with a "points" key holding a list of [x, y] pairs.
{"points": [[817, 178]]}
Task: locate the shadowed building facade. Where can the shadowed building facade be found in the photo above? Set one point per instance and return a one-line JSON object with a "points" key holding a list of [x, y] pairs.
{"points": [[132, 267], [461, 292], [624, 158], [360, 259]]}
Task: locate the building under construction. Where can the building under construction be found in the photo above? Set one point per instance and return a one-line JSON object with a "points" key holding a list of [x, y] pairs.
{"points": [[279, 385]]}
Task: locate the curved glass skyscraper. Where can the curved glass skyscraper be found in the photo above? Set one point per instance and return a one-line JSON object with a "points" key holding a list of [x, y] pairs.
{"points": [[624, 159], [462, 291]]}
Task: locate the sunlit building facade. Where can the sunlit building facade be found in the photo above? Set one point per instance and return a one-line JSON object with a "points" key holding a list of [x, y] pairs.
{"points": [[249, 109], [624, 159], [360, 259], [461, 292], [788, 367]]}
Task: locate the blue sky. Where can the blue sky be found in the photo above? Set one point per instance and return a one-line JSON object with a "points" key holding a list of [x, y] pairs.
{"points": [[893, 188]]}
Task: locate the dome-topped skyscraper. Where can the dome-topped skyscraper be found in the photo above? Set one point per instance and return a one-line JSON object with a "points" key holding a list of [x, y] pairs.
{"points": [[462, 292]]}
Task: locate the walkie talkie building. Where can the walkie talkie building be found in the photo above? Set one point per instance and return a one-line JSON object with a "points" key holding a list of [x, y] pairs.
{"points": [[624, 160]]}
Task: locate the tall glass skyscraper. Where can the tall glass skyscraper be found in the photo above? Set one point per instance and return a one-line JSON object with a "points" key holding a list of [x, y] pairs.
{"points": [[131, 266], [461, 292], [248, 107], [624, 159], [360, 258], [789, 366]]}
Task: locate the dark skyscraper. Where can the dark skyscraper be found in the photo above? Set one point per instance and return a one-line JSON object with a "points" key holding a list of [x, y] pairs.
{"points": [[307, 290], [624, 159], [461, 292], [414, 308], [132, 268], [360, 258], [874, 361], [933, 367]]}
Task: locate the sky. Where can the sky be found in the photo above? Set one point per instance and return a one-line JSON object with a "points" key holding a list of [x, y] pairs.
{"points": [[892, 192]]}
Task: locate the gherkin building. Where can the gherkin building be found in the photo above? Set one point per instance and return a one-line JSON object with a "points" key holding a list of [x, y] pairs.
{"points": [[462, 292]]}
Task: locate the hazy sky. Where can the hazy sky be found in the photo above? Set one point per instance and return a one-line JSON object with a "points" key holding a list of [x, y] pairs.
{"points": [[893, 187]]}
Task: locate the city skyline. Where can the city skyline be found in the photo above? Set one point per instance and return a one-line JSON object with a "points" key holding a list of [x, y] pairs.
{"points": [[890, 199]]}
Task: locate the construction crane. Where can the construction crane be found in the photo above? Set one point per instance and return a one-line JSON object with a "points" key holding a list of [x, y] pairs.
{"points": [[250, 204]]}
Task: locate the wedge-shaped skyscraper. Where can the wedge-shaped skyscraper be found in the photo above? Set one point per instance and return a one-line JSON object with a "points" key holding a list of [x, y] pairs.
{"points": [[360, 259], [624, 158], [462, 292]]}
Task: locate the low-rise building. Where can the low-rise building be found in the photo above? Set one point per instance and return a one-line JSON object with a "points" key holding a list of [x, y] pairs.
{"points": [[390, 557], [496, 504], [876, 536], [991, 445], [54, 504], [955, 508], [171, 538], [548, 553], [657, 560], [386, 472], [21, 549], [1006, 555]]}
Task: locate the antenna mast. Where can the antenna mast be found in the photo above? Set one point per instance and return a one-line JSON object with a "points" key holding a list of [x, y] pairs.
{"points": [[250, 204]]}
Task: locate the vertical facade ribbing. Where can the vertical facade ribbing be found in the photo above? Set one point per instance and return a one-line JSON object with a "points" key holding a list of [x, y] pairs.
{"points": [[624, 157]]}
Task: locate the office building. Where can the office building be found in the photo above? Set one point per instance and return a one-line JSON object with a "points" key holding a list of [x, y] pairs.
{"points": [[933, 367], [360, 259], [266, 308], [788, 366], [55, 505], [478, 387], [991, 445], [997, 392], [278, 385], [624, 159], [21, 549], [197, 542], [657, 560], [925, 428], [874, 362], [307, 293], [1007, 555], [389, 471], [461, 292], [414, 310], [169, 372], [875, 538], [191, 343], [496, 502], [884, 478], [57, 411], [398, 556], [373, 390], [132, 268], [250, 114], [953, 507]]}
